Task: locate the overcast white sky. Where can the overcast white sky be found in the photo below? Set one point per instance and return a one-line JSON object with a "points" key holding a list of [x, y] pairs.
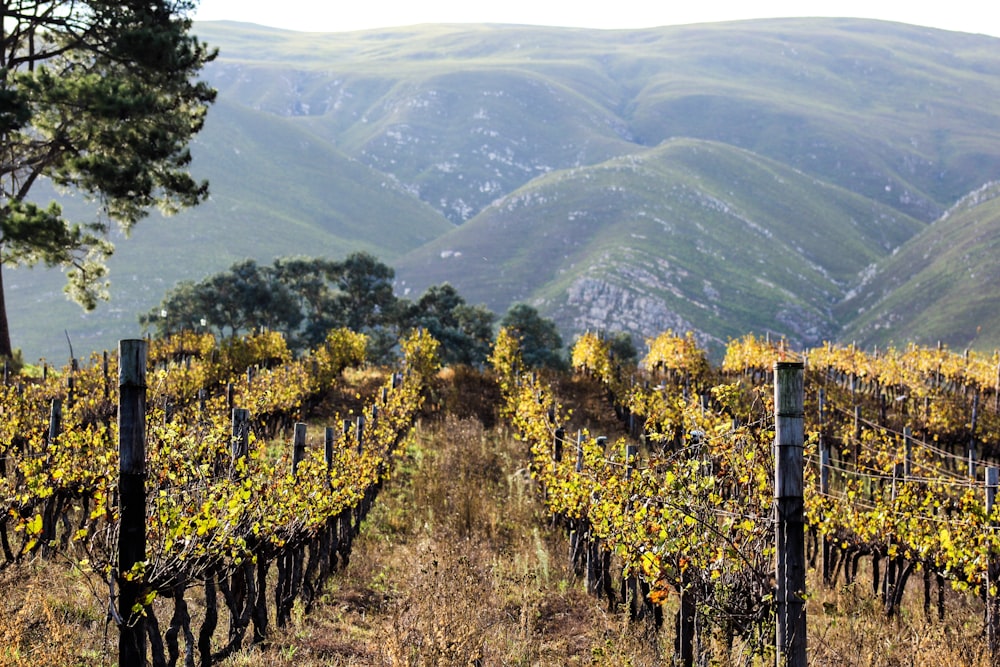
{"points": [[976, 16]]}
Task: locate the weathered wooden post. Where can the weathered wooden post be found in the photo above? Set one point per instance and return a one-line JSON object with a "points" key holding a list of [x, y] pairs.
{"points": [[329, 443], [992, 573], [70, 390], [579, 452], [789, 439], [557, 445], [996, 391], [329, 438], [857, 438], [242, 577], [298, 446], [105, 373], [132, 497], [630, 585], [240, 446], [824, 485], [55, 420], [631, 459], [359, 434], [594, 570], [972, 438], [908, 452], [577, 524]]}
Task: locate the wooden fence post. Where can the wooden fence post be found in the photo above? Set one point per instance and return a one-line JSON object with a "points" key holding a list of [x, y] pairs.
{"points": [[241, 434], [298, 447], [824, 489], [992, 574], [631, 459], [329, 438], [359, 434], [908, 452], [105, 374], [55, 420], [996, 394], [857, 438], [132, 497], [575, 536], [789, 438], [579, 452], [972, 437]]}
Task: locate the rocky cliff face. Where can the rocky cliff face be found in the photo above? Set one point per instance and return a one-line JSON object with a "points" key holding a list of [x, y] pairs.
{"points": [[593, 304], [639, 308]]}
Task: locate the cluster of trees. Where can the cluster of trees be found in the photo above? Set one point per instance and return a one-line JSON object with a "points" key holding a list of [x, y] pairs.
{"points": [[306, 297]]}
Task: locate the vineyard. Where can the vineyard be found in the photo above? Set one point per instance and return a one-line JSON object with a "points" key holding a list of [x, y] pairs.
{"points": [[896, 472], [669, 508], [216, 512]]}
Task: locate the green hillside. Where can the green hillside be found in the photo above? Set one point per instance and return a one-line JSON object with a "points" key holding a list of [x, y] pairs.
{"points": [[275, 191], [899, 113], [689, 235], [725, 177], [940, 286]]}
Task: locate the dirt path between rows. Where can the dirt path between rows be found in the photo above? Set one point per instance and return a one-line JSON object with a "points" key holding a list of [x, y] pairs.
{"points": [[458, 565]]}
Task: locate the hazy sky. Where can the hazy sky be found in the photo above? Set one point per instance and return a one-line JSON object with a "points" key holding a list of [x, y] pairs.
{"points": [[976, 16]]}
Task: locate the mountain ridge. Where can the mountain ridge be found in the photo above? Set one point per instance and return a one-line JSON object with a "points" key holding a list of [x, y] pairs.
{"points": [[400, 141]]}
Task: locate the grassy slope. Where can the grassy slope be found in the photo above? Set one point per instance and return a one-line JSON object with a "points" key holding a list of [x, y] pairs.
{"points": [[463, 116], [308, 200], [941, 286], [728, 240], [899, 113]]}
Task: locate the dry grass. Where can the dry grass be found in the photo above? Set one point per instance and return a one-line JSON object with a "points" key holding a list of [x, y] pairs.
{"points": [[51, 618], [848, 627], [455, 566]]}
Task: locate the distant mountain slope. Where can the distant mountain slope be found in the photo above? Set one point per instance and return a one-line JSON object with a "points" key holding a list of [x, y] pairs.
{"points": [[940, 286], [464, 114], [689, 235], [693, 176]]}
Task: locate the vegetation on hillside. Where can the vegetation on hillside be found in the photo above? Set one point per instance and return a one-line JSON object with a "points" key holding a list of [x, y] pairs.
{"points": [[722, 178]]}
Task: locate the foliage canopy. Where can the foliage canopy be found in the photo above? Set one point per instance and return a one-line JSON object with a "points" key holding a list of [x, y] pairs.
{"points": [[98, 98]]}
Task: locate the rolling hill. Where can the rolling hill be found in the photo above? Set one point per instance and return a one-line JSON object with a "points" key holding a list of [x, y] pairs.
{"points": [[940, 286], [734, 177], [688, 235]]}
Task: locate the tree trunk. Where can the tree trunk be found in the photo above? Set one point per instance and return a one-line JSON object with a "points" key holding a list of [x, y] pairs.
{"points": [[6, 352]]}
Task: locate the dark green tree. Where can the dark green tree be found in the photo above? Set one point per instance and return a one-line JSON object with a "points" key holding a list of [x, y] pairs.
{"points": [[310, 281], [302, 297], [623, 348], [465, 332], [100, 98], [365, 298], [541, 344], [247, 297]]}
